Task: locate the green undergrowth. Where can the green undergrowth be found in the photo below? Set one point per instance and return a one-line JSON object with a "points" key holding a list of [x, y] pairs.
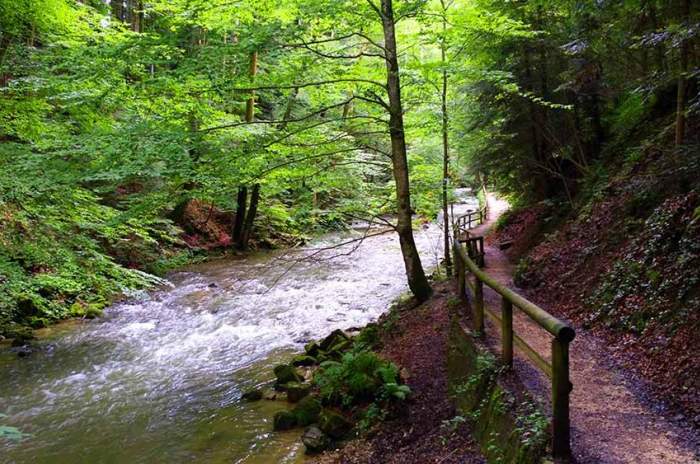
{"points": [[655, 278], [341, 387], [509, 426], [65, 254]]}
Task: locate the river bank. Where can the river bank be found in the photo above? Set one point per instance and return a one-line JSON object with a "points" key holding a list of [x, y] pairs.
{"points": [[160, 376], [432, 430]]}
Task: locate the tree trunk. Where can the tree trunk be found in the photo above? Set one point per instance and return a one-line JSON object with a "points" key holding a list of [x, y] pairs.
{"points": [[243, 225], [250, 105], [289, 108], [250, 217], [682, 82], [658, 48], [117, 9], [417, 281], [445, 146], [239, 220], [136, 9]]}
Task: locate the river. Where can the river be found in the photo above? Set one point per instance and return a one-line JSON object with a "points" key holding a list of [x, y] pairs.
{"points": [[158, 379]]}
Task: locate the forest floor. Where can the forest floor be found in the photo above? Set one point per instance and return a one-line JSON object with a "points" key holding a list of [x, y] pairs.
{"points": [[614, 416]]}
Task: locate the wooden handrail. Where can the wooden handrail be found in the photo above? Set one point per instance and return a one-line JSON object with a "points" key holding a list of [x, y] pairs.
{"points": [[558, 370], [551, 324]]}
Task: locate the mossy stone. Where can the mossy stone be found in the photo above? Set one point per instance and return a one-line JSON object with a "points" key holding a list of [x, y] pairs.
{"points": [[284, 420], [307, 410], [20, 335], [315, 440], [303, 360], [255, 394], [93, 312], [335, 337], [286, 373], [337, 351], [296, 391], [312, 349], [334, 425]]}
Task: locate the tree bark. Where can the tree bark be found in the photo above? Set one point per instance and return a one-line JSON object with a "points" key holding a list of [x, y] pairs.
{"points": [[136, 8], [445, 146], [243, 226], [417, 281], [117, 9], [250, 105], [250, 217], [682, 82], [239, 220]]}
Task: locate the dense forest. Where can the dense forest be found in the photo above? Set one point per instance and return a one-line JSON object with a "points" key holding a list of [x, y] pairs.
{"points": [[139, 136]]}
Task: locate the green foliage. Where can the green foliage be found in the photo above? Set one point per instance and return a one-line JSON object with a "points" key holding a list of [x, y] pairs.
{"points": [[11, 433], [533, 427], [369, 338], [654, 281], [360, 376]]}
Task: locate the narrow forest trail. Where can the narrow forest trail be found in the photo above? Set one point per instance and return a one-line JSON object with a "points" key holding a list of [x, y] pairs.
{"points": [[612, 419]]}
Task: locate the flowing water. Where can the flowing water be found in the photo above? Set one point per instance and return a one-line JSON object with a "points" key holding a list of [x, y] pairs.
{"points": [[159, 377]]}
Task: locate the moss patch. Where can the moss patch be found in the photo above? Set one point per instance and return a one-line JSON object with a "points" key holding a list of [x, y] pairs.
{"points": [[507, 430]]}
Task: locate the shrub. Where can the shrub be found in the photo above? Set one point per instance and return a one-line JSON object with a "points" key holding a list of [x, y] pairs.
{"points": [[359, 377]]}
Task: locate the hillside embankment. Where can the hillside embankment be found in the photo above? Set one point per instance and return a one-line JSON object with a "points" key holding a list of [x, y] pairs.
{"points": [[623, 264]]}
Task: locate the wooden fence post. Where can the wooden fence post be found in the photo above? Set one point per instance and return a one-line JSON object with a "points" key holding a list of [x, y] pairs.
{"points": [[461, 287], [479, 306], [561, 387], [507, 332], [481, 253]]}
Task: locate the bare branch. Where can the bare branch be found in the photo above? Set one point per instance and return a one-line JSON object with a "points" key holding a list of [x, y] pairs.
{"points": [[308, 84]]}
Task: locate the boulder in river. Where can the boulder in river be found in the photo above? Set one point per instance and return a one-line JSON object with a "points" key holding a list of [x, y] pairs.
{"points": [[286, 373], [336, 337], [284, 420], [303, 360], [24, 351], [315, 440], [255, 394], [312, 349], [333, 424], [296, 391], [307, 410], [336, 351], [20, 335]]}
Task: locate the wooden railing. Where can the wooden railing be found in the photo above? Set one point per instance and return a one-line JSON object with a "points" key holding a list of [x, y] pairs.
{"points": [[469, 258]]}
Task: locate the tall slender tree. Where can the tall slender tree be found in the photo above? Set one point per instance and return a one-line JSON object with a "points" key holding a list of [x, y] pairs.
{"points": [[417, 281]]}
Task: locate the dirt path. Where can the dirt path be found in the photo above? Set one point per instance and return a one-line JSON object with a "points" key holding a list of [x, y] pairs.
{"points": [[613, 420]]}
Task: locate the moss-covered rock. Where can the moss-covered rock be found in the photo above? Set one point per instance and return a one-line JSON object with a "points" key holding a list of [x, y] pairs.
{"points": [[19, 334], [286, 373], [312, 349], [307, 411], [336, 351], [296, 391], [334, 425], [335, 337], [303, 360], [255, 394], [369, 337], [315, 440], [93, 312], [507, 430], [284, 420]]}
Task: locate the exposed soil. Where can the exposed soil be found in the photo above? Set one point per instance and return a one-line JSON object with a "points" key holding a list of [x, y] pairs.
{"points": [[417, 343], [615, 418]]}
